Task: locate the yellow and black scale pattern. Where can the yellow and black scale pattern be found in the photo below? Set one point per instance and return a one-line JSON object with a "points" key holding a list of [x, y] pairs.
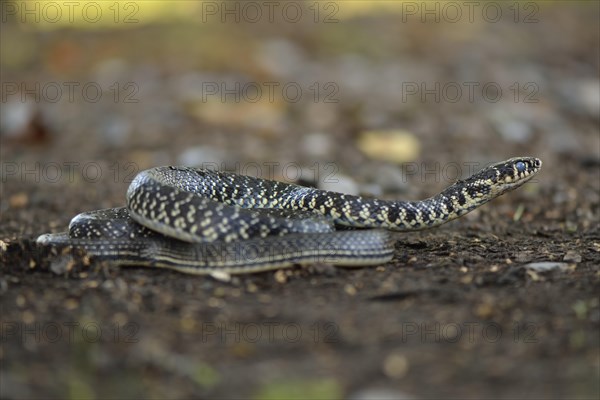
{"points": [[202, 221]]}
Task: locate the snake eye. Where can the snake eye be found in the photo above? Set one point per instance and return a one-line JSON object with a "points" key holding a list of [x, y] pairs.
{"points": [[520, 166]]}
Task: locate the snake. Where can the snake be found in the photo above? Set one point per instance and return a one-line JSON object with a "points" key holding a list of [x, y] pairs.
{"points": [[202, 221]]}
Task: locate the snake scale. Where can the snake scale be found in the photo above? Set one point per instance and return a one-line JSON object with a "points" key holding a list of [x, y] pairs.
{"points": [[207, 222]]}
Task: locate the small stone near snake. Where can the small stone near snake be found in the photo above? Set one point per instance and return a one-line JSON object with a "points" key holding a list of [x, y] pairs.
{"points": [[572, 256], [62, 264], [546, 266]]}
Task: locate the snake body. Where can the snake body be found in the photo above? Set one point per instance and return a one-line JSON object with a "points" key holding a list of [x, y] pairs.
{"points": [[202, 221]]}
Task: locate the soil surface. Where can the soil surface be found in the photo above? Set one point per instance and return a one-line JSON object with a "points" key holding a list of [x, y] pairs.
{"points": [[466, 310]]}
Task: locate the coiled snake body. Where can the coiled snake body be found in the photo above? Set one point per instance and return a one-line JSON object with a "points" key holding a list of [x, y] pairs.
{"points": [[204, 222]]}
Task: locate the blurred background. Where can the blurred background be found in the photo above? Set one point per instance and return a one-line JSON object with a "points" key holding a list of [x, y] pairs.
{"points": [[100, 90], [389, 99]]}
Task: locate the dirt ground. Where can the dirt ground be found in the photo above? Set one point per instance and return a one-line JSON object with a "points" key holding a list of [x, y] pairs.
{"points": [[466, 310]]}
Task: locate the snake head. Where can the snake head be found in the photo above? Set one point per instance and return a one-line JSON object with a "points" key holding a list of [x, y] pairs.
{"points": [[506, 175]]}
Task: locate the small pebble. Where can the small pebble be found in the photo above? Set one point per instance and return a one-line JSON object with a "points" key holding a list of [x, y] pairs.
{"points": [[523, 256], [546, 266], [589, 95], [350, 290], [281, 57], [28, 317], [108, 285], [280, 276], [221, 276], [371, 190], [533, 275], [395, 365], [214, 302], [513, 130], [116, 129], [16, 116], [18, 200], [484, 310], [394, 145], [62, 264], [71, 304], [581, 309], [391, 179], [251, 287], [572, 256], [317, 145], [203, 156], [341, 184], [581, 94]]}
